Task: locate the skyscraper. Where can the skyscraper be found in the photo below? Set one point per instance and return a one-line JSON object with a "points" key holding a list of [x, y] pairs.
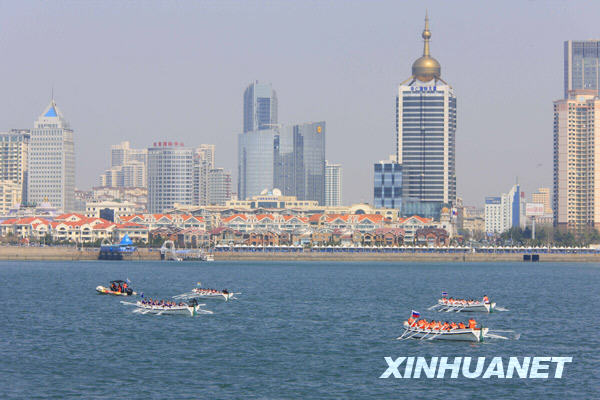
{"points": [[52, 161], [14, 150], [204, 161], [505, 212], [542, 196], [219, 182], [128, 167], [170, 176], [256, 155], [576, 200], [388, 184], [333, 184], [582, 66], [426, 127], [260, 107], [300, 161]]}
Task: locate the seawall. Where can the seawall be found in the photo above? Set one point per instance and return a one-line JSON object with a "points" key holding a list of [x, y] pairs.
{"points": [[73, 254]]}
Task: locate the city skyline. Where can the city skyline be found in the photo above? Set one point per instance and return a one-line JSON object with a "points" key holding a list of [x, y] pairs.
{"points": [[354, 79]]}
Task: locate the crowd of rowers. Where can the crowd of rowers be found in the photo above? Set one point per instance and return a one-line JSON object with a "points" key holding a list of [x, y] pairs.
{"points": [[462, 302], [439, 325], [162, 303], [211, 291]]}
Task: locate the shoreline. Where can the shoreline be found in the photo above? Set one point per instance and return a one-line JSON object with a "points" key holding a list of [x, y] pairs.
{"points": [[14, 253]]}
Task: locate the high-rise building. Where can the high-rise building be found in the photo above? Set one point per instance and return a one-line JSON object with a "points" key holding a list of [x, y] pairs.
{"points": [[260, 107], [542, 196], [387, 184], [426, 127], [256, 155], [582, 65], [204, 161], [505, 211], [128, 167], [333, 184], [300, 161], [219, 182], [10, 195], [577, 161], [14, 148], [52, 161], [170, 176]]}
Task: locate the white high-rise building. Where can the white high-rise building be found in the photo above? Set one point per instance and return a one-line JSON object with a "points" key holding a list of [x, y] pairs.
{"points": [[204, 162], [576, 202], [14, 149], [52, 161], [505, 211], [426, 126], [333, 184], [128, 167], [170, 176]]}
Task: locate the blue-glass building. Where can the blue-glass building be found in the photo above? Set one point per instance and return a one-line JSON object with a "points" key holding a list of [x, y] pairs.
{"points": [[256, 157], [300, 161], [582, 66], [388, 185], [260, 107]]}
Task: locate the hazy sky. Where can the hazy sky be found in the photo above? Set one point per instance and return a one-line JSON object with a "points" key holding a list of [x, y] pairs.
{"points": [[144, 71]]}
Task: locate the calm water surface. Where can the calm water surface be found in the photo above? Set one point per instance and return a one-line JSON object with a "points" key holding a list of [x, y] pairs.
{"points": [[298, 330]]}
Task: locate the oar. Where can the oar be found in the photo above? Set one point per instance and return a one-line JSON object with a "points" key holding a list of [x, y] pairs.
{"points": [[408, 337], [434, 306], [428, 333]]}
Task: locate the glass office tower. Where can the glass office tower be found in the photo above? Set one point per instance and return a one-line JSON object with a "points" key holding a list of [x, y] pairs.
{"points": [[260, 107], [581, 65], [256, 156], [300, 161], [388, 185]]}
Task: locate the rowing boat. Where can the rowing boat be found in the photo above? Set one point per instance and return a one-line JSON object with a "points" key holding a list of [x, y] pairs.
{"points": [[191, 309], [476, 306], [201, 293], [464, 335]]}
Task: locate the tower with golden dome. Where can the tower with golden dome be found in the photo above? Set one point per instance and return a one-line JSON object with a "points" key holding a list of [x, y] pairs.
{"points": [[426, 127]]}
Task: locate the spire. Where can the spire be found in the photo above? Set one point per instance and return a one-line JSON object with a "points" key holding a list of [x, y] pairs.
{"points": [[426, 36], [426, 67]]}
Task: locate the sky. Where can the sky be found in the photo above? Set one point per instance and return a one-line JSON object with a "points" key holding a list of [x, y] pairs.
{"points": [[176, 70]]}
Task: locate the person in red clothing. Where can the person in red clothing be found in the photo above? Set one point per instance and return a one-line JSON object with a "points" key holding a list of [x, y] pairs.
{"points": [[472, 323]]}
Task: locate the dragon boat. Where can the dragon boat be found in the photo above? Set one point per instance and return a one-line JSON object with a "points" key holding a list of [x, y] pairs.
{"points": [[463, 335], [192, 308]]}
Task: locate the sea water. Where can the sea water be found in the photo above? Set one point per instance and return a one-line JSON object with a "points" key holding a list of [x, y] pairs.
{"points": [[305, 330]]}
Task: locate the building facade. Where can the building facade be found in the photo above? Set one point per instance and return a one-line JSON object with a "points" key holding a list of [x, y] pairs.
{"points": [[170, 176], [204, 162], [256, 154], [426, 128], [14, 149], [576, 168], [10, 195], [260, 107], [387, 184], [542, 196], [333, 184], [128, 167], [299, 168], [505, 211], [52, 161], [219, 183], [582, 69]]}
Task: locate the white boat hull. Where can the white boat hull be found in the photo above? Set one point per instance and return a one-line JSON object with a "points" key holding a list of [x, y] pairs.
{"points": [[477, 307], [208, 295], [165, 310], [461, 335]]}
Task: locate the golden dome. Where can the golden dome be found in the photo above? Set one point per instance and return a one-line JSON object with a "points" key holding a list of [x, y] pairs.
{"points": [[426, 67]]}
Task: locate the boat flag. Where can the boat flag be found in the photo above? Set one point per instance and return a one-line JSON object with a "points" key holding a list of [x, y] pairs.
{"points": [[415, 314], [142, 294], [444, 294]]}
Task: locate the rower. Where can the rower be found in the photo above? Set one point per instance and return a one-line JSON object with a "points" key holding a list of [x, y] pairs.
{"points": [[453, 326], [472, 323], [446, 326], [461, 325], [486, 300]]}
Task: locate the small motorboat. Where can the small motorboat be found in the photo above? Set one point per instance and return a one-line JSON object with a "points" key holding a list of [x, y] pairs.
{"points": [[192, 308], [116, 288], [464, 335]]}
